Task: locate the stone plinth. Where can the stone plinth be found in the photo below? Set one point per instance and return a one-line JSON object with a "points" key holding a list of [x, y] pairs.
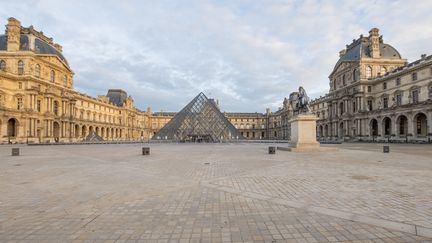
{"points": [[303, 133]]}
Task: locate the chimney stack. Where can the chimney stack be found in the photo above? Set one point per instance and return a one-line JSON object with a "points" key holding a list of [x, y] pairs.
{"points": [[13, 31], [374, 40]]}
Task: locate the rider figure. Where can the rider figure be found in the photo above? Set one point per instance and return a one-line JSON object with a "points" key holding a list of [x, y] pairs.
{"points": [[303, 100]]}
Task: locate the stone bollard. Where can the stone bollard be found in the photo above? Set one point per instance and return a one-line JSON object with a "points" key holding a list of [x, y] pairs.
{"points": [[145, 151], [15, 151], [271, 150], [386, 149]]}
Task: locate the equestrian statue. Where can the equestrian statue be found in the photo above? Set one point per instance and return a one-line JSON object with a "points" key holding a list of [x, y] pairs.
{"points": [[299, 101]]}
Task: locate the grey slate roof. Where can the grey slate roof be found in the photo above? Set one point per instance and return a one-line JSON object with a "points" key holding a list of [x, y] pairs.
{"points": [[117, 96], [40, 47]]}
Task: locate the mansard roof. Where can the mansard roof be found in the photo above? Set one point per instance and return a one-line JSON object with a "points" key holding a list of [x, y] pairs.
{"points": [[38, 46], [360, 48]]}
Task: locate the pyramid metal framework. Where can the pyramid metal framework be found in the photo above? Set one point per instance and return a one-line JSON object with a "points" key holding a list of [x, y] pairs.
{"points": [[199, 121]]}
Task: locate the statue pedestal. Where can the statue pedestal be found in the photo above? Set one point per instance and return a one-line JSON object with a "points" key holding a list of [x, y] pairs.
{"points": [[303, 133]]}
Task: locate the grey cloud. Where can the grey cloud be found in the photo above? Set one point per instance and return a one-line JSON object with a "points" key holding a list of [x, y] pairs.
{"points": [[248, 54]]}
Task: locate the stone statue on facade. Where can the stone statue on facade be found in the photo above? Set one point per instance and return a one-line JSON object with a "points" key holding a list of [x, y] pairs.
{"points": [[300, 101]]}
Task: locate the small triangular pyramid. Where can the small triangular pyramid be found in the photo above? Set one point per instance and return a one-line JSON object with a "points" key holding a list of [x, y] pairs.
{"points": [[199, 121], [93, 137]]}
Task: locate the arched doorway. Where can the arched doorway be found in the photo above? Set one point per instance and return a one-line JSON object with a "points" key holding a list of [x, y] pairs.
{"points": [[326, 133], [402, 123], [83, 131], [77, 131], [102, 132], [420, 124], [12, 130], [56, 131], [386, 124], [91, 129], [374, 128], [97, 131], [321, 131]]}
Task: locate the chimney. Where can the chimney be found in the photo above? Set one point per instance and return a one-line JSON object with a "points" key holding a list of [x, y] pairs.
{"points": [[13, 29], [374, 40], [58, 47], [423, 56]]}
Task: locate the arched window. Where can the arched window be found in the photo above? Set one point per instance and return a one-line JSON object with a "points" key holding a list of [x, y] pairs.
{"points": [[368, 72], [20, 67], [65, 81], [343, 80], [52, 76], [37, 70], [2, 65], [355, 75], [383, 71]]}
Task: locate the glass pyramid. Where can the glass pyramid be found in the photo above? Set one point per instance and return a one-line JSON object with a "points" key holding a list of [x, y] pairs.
{"points": [[199, 121]]}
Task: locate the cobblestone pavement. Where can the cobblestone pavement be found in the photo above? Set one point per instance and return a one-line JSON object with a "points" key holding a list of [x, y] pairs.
{"points": [[215, 193]]}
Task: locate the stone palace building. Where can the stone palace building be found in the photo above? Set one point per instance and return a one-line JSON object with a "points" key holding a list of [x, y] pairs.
{"points": [[38, 102], [374, 95]]}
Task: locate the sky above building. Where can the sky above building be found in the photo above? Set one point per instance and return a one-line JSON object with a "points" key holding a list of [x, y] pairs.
{"points": [[247, 54]]}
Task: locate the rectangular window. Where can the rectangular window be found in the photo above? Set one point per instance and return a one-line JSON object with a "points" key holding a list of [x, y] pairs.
{"points": [[19, 85], [369, 89], [385, 102], [384, 85], [19, 103], [354, 107], [369, 104], [399, 99], [414, 76], [262, 134], [415, 96], [398, 81]]}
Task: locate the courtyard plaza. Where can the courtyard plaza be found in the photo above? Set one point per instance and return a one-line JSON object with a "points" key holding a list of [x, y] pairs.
{"points": [[215, 193]]}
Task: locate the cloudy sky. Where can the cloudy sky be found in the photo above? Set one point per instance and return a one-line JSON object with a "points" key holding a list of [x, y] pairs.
{"points": [[248, 54]]}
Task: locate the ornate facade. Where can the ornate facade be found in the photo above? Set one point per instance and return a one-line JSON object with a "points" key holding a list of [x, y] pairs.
{"points": [[38, 102], [375, 95]]}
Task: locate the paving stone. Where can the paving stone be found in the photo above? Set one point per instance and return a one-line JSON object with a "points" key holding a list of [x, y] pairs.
{"points": [[107, 193]]}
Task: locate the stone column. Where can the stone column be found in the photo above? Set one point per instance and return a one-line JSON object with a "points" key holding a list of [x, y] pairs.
{"points": [[394, 127], [410, 125], [380, 128]]}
